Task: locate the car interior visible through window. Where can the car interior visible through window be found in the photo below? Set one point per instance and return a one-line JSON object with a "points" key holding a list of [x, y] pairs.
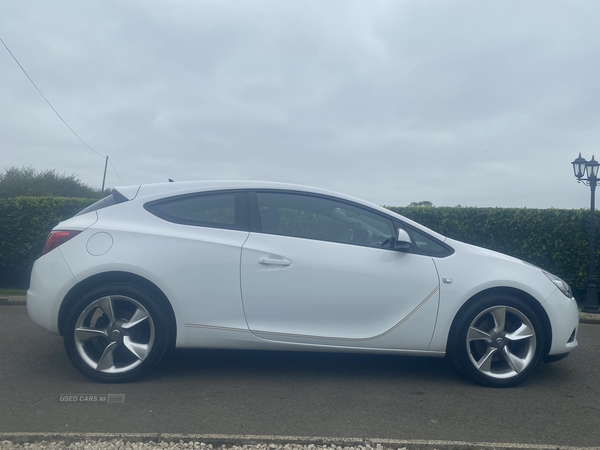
{"points": [[312, 217]]}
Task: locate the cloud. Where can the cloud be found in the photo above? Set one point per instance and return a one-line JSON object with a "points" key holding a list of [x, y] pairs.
{"points": [[454, 102]]}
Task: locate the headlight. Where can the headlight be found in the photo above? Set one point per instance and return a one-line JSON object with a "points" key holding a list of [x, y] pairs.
{"points": [[560, 284]]}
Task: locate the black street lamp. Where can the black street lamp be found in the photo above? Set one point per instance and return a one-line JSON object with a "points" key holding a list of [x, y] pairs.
{"points": [[582, 167]]}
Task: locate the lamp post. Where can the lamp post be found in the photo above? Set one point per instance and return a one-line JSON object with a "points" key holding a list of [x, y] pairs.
{"points": [[582, 167]]}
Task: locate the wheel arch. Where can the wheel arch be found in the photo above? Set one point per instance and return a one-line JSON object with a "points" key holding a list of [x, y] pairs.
{"points": [[531, 301], [117, 277]]}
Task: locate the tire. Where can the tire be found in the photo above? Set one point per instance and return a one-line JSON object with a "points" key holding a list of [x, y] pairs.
{"points": [[116, 333], [497, 341]]}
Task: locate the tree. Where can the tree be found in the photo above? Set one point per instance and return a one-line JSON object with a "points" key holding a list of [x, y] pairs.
{"points": [[425, 203], [26, 181]]}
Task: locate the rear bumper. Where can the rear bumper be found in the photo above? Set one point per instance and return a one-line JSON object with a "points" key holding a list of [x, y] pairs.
{"points": [[50, 281]]}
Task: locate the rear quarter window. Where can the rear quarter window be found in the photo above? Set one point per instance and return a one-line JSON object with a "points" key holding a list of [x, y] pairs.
{"points": [[221, 210]]}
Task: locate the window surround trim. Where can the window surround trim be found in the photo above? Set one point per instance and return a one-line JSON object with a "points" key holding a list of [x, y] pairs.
{"points": [[253, 222]]}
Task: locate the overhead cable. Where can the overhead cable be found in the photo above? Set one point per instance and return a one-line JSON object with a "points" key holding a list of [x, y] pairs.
{"points": [[55, 111]]}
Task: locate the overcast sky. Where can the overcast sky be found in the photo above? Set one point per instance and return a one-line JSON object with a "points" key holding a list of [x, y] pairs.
{"points": [[477, 103]]}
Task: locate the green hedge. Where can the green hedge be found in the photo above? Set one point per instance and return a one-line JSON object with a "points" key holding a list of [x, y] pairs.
{"points": [[24, 225], [554, 239]]}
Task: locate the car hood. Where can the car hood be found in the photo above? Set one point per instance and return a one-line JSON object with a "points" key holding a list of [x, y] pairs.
{"points": [[484, 269], [470, 248]]}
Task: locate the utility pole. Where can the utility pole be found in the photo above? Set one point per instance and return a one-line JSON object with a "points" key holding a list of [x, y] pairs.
{"points": [[104, 177]]}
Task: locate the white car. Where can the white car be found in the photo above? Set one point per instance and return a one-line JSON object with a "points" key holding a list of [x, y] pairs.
{"points": [[270, 266]]}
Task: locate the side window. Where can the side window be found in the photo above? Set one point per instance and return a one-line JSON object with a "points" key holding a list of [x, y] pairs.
{"points": [[426, 245], [312, 217], [222, 210]]}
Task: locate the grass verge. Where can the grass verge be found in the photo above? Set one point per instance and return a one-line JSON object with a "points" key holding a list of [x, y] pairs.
{"points": [[10, 291]]}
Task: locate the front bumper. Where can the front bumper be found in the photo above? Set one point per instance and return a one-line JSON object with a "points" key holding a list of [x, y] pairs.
{"points": [[564, 320]]}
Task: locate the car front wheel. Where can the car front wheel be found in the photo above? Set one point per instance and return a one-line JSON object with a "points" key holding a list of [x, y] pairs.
{"points": [[115, 333], [498, 341]]}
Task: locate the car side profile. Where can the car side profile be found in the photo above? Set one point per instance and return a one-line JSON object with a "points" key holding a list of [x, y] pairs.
{"points": [[272, 266]]}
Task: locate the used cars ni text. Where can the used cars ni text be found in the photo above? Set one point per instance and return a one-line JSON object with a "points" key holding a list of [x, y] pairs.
{"points": [[258, 265]]}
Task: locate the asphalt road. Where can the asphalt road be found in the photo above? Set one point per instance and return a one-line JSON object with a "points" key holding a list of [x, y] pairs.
{"points": [[299, 394]]}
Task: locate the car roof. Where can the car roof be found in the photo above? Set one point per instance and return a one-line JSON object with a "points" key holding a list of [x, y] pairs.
{"points": [[160, 190]]}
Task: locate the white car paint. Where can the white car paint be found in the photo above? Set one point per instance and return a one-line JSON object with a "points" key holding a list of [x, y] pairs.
{"points": [[241, 289], [337, 294]]}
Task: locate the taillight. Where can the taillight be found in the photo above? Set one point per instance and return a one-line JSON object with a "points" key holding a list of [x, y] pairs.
{"points": [[56, 238]]}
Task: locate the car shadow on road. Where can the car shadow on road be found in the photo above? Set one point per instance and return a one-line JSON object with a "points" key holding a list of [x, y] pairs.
{"points": [[303, 364], [209, 363]]}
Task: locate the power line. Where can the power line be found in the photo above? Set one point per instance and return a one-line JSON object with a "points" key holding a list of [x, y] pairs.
{"points": [[56, 112], [49, 104], [115, 170]]}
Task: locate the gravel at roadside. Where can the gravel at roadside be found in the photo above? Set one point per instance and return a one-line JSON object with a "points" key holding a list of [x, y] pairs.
{"points": [[74, 442]]}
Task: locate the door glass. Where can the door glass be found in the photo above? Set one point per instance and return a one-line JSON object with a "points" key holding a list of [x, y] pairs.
{"points": [[207, 210], [311, 217]]}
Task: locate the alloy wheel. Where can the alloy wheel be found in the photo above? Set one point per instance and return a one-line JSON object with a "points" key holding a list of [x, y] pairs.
{"points": [[114, 334], [501, 342]]}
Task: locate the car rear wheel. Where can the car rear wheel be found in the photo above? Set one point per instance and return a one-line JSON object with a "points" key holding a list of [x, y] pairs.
{"points": [[116, 333], [497, 341]]}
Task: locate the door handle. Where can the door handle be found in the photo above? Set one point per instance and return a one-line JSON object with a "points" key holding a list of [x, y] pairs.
{"points": [[274, 262]]}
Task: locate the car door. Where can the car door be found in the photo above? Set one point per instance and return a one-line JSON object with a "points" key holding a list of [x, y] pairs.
{"points": [[322, 271], [194, 248]]}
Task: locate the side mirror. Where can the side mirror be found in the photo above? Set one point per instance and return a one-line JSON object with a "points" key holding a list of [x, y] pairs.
{"points": [[403, 241]]}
